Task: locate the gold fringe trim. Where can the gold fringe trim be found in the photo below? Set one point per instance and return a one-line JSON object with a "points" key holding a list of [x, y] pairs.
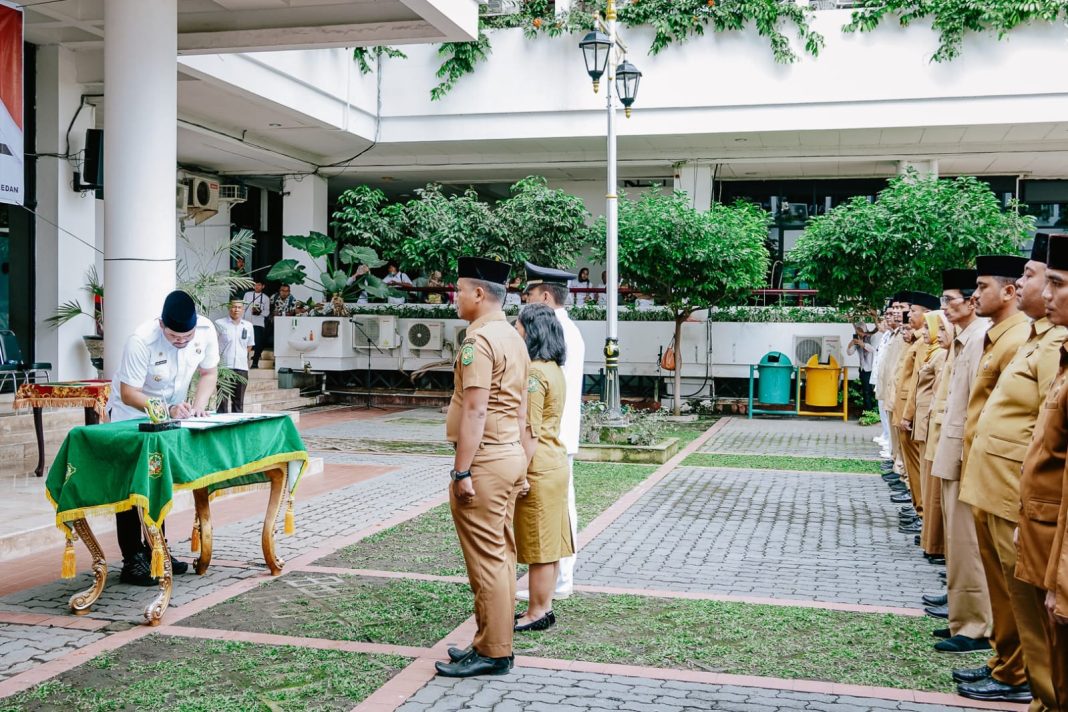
{"points": [[290, 525], [156, 571], [69, 563], [194, 538], [139, 500], [59, 403]]}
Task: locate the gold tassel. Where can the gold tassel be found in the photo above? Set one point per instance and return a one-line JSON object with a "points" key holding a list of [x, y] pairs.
{"points": [[194, 540], [157, 561], [69, 565], [290, 526]]}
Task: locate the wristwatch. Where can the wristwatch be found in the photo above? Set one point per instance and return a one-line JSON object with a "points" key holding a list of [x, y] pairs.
{"points": [[457, 475]]}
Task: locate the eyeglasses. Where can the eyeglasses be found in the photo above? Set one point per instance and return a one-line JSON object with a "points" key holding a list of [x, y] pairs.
{"points": [[946, 301]]}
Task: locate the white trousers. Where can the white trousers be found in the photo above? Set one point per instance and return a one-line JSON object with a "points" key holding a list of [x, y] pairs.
{"points": [[884, 418], [565, 581]]}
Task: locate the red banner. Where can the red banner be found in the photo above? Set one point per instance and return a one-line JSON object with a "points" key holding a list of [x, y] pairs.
{"points": [[11, 137]]}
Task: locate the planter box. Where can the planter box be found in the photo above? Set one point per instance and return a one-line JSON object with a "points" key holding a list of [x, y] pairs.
{"points": [[690, 418], [649, 454]]}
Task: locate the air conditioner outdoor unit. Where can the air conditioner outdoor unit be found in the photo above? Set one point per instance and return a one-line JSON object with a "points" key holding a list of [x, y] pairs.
{"points": [[500, 7], [424, 336], [233, 193], [805, 347], [203, 194], [458, 337], [371, 331]]}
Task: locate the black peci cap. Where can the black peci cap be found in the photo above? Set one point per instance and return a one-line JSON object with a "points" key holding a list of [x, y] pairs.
{"points": [[959, 278], [1040, 247], [1057, 257], [1011, 266], [484, 269], [179, 312], [546, 275], [928, 301]]}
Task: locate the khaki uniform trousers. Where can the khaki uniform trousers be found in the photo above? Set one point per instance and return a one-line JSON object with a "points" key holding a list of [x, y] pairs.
{"points": [[932, 538], [895, 443], [912, 455], [969, 603], [998, 553], [1034, 624], [1057, 639], [484, 526]]}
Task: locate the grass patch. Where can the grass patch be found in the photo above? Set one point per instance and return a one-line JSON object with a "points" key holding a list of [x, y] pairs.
{"points": [[427, 544], [688, 432], [373, 610], [746, 639], [162, 672], [783, 462]]}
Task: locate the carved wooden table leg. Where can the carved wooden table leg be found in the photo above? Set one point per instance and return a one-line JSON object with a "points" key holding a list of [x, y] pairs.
{"points": [[200, 498], [82, 602], [38, 429], [155, 610], [278, 488]]}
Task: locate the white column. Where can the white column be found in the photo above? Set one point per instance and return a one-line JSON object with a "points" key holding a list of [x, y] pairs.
{"points": [[304, 209], [140, 155], [63, 256], [695, 179]]}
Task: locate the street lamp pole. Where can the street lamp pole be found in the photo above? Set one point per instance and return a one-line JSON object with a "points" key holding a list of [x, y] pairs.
{"points": [[611, 342]]}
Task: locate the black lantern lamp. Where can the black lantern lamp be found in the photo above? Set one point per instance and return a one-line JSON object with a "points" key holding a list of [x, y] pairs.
{"points": [[627, 78], [595, 48]]}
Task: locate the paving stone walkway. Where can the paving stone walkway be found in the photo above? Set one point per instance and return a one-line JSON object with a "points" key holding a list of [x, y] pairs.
{"points": [[811, 536], [798, 437], [23, 647], [538, 690]]}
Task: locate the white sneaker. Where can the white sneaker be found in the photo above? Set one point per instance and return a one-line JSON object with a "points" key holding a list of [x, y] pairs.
{"points": [[561, 594], [522, 595]]}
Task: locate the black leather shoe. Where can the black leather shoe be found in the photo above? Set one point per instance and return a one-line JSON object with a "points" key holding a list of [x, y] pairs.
{"points": [[178, 567], [937, 611], [908, 511], [900, 498], [916, 540], [890, 477], [991, 689], [971, 674], [962, 644], [458, 654], [941, 574], [899, 486], [544, 623], [936, 560], [902, 520], [913, 527], [475, 664], [137, 571], [942, 633], [941, 599]]}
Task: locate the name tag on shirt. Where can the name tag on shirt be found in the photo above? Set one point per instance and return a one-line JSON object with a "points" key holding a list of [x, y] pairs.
{"points": [[160, 363]]}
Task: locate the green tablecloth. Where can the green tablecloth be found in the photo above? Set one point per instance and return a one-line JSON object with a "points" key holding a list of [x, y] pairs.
{"points": [[113, 467]]}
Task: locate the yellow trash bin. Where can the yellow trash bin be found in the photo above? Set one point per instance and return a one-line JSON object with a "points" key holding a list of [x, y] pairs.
{"points": [[821, 382]]}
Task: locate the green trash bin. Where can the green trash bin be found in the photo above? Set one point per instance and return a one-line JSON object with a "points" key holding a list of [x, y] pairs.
{"points": [[773, 378]]}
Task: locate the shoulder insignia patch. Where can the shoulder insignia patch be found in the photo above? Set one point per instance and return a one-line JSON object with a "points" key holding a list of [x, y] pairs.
{"points": [[533, 384], [467, 354]]}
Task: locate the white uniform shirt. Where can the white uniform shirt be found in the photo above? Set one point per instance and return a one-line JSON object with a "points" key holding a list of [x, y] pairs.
{"points": [[570, 419], [234, 342], [260, 300], [158, 369], [399, 278]]}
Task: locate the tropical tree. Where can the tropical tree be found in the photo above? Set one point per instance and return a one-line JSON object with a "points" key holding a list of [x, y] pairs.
{"points": [[548, 226], [365, 217], [689, 260], [861, 252], [345, 274]]}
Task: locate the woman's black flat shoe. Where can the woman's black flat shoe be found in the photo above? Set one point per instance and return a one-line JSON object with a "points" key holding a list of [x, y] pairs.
{"points": [[544, 623]]}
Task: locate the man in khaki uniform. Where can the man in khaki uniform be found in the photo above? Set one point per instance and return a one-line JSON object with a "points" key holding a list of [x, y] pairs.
{"points": [[906, 399], [1042, 560], [968, 603], [486, 423], [1001, 412], [888, 371]]}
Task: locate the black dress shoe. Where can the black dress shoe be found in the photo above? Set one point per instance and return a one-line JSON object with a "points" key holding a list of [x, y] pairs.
{"points": [[913, 527], [178, 567], [962, 644], [900, 498], [890, 477], [971, 674], [941, 574], [916, 540], [137, 571], [475, 664], [941, 599], [942, 633], [899, 486], [902, 520], [544, 623], [908, 511], [936, 560], [991, 689], [937, 611], [458, 654]]}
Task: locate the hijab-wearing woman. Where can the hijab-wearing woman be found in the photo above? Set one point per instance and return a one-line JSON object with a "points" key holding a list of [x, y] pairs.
{"points": [[542, 524], [939, 335]]}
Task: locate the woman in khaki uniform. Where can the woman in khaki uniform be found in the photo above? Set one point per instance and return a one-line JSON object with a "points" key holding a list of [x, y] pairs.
{"points": [[939, 335], [542, 524]]}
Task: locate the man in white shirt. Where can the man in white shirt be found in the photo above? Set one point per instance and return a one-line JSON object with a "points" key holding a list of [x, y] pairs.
{"points": [[396, 278], [159, 361], [236, 339], [549, 286], [257, 309]]}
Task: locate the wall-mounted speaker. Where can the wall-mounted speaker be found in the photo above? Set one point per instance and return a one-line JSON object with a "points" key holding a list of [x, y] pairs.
{"points": [[93, 164]]}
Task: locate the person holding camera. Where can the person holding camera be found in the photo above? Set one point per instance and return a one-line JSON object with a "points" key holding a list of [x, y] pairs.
{"points": [[861, 344], [257, 307]]}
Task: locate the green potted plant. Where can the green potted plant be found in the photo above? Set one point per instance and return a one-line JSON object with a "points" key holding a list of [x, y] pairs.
{"points": [[94, 343]]}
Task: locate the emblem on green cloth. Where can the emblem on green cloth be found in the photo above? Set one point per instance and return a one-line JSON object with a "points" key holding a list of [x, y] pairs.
{"points": [[155, 464], [71, 469], [467, 354]]}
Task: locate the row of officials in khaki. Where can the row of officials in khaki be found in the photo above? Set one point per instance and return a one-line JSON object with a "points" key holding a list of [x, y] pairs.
{"points": [[973, 386]]}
